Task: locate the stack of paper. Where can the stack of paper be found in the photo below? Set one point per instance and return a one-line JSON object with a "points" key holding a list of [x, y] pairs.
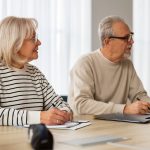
{"points": [[95, 140], [70, 125]]}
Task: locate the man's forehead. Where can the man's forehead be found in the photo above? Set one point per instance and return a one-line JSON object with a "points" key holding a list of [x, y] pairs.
{"points": [[121, 28]]}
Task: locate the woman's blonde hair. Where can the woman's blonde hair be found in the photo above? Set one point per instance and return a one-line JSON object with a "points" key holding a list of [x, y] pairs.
{"points": [[13, 31]]}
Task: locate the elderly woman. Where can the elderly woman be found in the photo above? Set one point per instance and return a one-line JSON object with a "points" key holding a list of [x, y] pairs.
{"points": [[26, 97]]}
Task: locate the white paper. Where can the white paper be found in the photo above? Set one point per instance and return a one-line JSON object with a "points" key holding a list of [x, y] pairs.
{"points": [[95, 140], [71, 125]]}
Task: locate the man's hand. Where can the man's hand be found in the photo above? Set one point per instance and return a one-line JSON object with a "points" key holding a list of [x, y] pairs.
{"points": [[55, 116], [138, 107]]}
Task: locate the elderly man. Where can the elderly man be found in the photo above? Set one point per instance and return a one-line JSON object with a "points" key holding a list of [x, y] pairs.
{"points": [[105, 81]]}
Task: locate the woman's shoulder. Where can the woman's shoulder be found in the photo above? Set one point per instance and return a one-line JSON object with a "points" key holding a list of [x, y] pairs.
{"points": [[3, 66], [32, 67]]}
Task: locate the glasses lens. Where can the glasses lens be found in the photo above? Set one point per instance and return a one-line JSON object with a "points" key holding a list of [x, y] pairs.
{"points": [[130, 37], [36, 38], [127, 38]]}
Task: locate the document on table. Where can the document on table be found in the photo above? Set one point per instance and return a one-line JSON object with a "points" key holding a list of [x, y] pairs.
{"points": [[95, 140], [70, 125]]}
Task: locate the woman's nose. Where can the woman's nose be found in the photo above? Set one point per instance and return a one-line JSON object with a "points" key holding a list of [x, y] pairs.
{"points": [[38, 42]]}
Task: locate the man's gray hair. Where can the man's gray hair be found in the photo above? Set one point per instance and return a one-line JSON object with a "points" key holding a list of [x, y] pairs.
{"points": [[105, 27]]}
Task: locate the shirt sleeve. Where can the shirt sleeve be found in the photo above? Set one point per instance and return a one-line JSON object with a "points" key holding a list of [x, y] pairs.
{"points": [[33, 117], [51, 99], [15, 117], [10, 116]]}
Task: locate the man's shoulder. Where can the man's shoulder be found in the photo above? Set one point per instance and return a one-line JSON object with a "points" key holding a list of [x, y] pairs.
{"points": [[128, 61], [87, 57]]}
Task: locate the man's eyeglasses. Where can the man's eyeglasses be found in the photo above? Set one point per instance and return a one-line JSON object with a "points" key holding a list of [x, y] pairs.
{"points": [[127, 38]]}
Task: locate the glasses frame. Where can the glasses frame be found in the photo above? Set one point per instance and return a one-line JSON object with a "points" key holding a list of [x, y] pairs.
{"points": [[34, 39], [127, 38]]}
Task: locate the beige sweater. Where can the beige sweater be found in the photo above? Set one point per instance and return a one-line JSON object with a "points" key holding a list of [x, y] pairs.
{"points": [[100, 86]]}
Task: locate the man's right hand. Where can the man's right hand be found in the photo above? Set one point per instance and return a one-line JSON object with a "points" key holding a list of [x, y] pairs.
{"points": [[138, 107]]}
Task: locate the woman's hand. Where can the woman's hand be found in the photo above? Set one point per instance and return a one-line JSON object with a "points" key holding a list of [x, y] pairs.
{"points": [[55, 116]]}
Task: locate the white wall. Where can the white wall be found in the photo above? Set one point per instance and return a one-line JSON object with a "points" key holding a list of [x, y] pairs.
{"points": [[103, 8]]}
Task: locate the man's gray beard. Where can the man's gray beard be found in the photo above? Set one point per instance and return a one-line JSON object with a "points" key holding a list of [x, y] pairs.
{"points": [[126, 55]]}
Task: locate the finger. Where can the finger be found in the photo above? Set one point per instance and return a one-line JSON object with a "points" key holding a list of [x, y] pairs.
{"points": [[63, 118], [63, 114], [50, 117], [142, 112], [147, 107], [145, 103], [59, 122], [53, 117], [68, 116], [71, 116]]}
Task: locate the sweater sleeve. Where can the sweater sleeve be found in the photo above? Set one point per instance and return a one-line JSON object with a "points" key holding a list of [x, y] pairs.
{"points": [[136, 86], [82, 91]]}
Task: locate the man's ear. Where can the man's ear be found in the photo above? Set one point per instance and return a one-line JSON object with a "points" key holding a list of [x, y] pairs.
{"points": [[106, 41]]}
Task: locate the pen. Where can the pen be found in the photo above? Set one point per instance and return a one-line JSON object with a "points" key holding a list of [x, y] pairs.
{"points": [[53, 105], [138, 99], [81, 121]]}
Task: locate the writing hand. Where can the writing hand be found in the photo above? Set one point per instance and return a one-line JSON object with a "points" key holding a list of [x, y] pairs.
{"points": [[54, 116]]}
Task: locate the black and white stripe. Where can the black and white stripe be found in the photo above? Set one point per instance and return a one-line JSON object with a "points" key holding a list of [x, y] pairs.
{"points": [[22, 91]]}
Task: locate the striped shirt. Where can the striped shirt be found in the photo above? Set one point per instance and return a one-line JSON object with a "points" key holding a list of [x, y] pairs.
{"points": [[23, 94]]}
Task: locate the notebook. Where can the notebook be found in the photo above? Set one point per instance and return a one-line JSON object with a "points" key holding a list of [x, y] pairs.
{"points": [[124, 117], [70, 125]]}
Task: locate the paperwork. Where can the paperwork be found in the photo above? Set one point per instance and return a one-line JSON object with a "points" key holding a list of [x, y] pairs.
{"points": [[95, 140], [70, 125]]}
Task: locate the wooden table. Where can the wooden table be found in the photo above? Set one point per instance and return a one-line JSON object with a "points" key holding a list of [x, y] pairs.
{"points": [[15, 138]]}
